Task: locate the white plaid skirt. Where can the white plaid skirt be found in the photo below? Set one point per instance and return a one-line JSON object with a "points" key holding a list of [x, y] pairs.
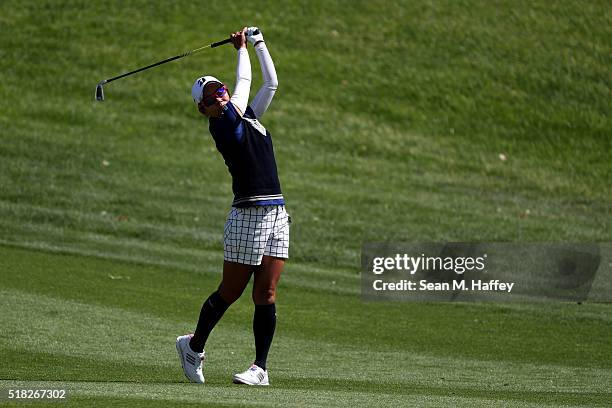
{"points": [[252, 232]]}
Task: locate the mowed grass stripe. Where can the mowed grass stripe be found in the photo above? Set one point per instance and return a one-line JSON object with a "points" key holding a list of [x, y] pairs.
{"points": [[23, 221], [235, 396], [112, 222], [473, 331], [327, 394], [199, 262], [81, 332]]}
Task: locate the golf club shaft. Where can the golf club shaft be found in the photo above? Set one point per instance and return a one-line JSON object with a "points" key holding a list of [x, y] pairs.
{"points": [[213, 45]]}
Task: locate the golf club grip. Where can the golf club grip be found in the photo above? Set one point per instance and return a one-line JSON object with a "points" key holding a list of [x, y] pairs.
{"points": [[227, 40]]}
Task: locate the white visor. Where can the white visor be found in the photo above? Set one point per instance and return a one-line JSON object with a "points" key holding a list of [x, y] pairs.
{"points": [[197, 90]]}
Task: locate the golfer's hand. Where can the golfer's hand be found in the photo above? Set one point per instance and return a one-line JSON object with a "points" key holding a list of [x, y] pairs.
{"points": [[252, 37], [239, 39]]}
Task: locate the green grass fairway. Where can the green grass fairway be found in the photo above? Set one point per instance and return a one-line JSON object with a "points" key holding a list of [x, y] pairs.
{"points": [[105, 329], [450, 120]]}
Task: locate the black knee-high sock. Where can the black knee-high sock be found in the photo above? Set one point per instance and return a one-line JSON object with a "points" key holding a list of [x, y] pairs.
{"points": [[212, 311], [264, 323]]}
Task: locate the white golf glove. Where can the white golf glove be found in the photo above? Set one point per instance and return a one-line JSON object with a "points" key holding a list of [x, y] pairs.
{"points": [[254, 35]]}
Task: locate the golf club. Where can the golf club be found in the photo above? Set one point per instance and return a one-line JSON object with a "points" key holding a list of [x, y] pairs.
{"points": [[100, 90]]}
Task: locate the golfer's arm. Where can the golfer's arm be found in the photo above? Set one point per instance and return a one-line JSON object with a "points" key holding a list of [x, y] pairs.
{"points": [[265, 94], [240, 98]]}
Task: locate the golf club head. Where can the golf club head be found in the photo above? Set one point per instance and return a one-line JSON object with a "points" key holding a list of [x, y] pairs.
{"points": [[99, 92]]}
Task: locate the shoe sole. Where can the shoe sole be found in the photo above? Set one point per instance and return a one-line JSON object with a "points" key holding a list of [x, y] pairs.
{"points": [[239, 381]]}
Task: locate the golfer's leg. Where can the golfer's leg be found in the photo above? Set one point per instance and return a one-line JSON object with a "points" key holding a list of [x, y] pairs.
{"points": [[266, 279], [267, 276], [235, 278]]}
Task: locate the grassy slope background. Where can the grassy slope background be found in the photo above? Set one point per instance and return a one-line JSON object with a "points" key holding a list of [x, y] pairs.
{"points": [[388, 125]]}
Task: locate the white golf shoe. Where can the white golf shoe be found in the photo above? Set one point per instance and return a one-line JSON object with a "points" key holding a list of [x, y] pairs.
{"points": [[253, 376], [190, 360]]}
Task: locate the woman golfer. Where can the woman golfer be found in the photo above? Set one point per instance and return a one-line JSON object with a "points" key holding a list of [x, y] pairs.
{"points": [[256, 237]]}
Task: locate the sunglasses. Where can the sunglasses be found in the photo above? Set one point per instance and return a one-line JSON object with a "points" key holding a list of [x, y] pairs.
{"points": [[212, 99]]}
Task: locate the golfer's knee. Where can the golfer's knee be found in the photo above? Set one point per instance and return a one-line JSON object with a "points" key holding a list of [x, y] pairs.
{"points": [[265, 296]]}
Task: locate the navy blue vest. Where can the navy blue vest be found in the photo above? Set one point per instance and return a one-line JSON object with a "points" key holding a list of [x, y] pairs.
{"points": [[246, 147]]}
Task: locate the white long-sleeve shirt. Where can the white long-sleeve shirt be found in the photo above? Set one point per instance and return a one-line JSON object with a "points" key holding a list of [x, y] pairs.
{"points": [[264, 96]]}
